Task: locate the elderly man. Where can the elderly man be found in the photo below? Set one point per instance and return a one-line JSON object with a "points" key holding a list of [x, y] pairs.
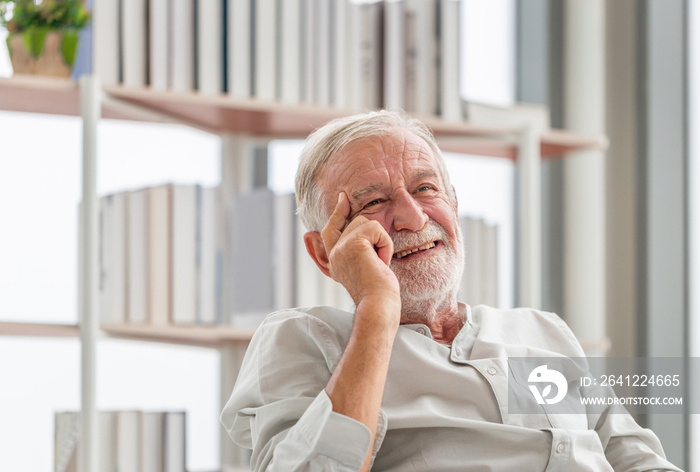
{"points": [[413, 380]]}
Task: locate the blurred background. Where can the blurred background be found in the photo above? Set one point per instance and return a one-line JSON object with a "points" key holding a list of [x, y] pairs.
{"points": [[620, 228]]}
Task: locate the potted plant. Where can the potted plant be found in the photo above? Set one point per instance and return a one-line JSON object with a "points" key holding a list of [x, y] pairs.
{"points": [[43, 35]]}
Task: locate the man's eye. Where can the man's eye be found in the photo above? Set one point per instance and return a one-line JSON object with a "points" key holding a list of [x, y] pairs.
{"points": [[424, 188], [372, 203]]}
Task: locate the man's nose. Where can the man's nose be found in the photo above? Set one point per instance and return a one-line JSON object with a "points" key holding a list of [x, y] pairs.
{"points": [[407, 213]]}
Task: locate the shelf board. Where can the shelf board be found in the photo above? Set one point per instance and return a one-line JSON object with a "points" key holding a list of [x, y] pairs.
{"points": [[198, 335], [222, 114], [9, 328], [47, 95]]}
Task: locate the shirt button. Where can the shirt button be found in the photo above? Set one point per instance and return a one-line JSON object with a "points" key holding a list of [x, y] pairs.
{"points": [[560, 448], [421, 331], [458, 351], [492, 370]]}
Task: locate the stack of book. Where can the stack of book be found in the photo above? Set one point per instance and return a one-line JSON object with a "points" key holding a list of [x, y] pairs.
{"points": [[133, 441], [480, 276], [162, 259], [347, 54]]}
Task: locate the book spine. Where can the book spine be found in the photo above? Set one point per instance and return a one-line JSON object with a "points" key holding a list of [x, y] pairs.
{"points": [[240, 44], [450, 100], [395, 54], [210, 47], [265, 52], [182, 40], [107, 50], [159, 18], [289, 45], [134, 34]]}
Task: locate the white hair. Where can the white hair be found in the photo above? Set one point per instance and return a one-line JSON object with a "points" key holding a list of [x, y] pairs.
{"points": [[333, 138]]}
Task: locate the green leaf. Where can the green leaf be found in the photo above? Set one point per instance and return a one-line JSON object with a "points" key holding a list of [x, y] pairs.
{"points": [[69, 46], [34, 39]]}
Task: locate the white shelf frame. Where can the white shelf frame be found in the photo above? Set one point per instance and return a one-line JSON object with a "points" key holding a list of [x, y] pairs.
{"points": [[88, 275]]}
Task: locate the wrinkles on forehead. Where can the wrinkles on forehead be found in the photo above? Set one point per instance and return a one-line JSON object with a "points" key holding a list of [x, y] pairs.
{"points": [[372, 158]]}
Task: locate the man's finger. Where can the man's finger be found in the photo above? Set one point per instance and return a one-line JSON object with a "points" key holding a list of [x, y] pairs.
{"points": [[336, 223]]}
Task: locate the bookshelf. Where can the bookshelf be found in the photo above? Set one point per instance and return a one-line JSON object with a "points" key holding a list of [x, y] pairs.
{"points": [[221, 114], [185, 335], [229, 117]]}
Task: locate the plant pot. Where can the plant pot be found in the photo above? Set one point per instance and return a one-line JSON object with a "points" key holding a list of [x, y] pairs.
{"points": [[43, 51]]}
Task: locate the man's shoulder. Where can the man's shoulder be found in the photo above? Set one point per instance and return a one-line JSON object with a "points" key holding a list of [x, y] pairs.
{"points": [[515, 314], [531, 327], [307, 318]]}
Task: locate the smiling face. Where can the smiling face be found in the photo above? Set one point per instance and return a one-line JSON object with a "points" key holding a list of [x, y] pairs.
{"points": [[396, 181]]}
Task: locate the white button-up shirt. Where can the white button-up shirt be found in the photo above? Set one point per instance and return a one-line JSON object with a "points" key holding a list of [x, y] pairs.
{"points": [[444, 407]]}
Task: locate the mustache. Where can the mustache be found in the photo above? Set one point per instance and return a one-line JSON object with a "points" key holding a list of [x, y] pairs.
{"points": [[432, 231]]}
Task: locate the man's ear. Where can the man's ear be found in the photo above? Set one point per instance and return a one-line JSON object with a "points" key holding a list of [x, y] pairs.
{"points": [[317, 251]]}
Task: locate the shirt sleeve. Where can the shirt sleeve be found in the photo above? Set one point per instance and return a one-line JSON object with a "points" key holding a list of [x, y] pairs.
{"points": [[628, 446], [279, 407]]}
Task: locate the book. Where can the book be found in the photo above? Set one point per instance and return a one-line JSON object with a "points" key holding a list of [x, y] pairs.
{"points": [[129, 440], [106, 45], [470, 289], [175, 442], [323, 57], [290, 57], [137, 257], [450, 99], [253, 275], [152, 441], [107, 424], [134, 38], [422, 68], [239, 48], [480, 277], [66, 438], [209, 254], [182, 46], [159, 44], [395, 54], [159, 249], [265, 50], [113, 258], [283, 257], [341, 55], [517, 115], [366, 54], [183, 259], [310, 48], [210, 46]]}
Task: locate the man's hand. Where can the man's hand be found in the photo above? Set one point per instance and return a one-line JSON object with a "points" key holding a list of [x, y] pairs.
{"points": [[359, 253]]}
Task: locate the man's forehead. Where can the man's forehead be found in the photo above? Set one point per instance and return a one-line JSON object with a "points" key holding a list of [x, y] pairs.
{"points": [[377, 153], [404, 144], [366, 164]]}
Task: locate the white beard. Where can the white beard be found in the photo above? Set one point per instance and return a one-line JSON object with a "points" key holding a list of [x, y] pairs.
{"points": [[428, 284]]}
